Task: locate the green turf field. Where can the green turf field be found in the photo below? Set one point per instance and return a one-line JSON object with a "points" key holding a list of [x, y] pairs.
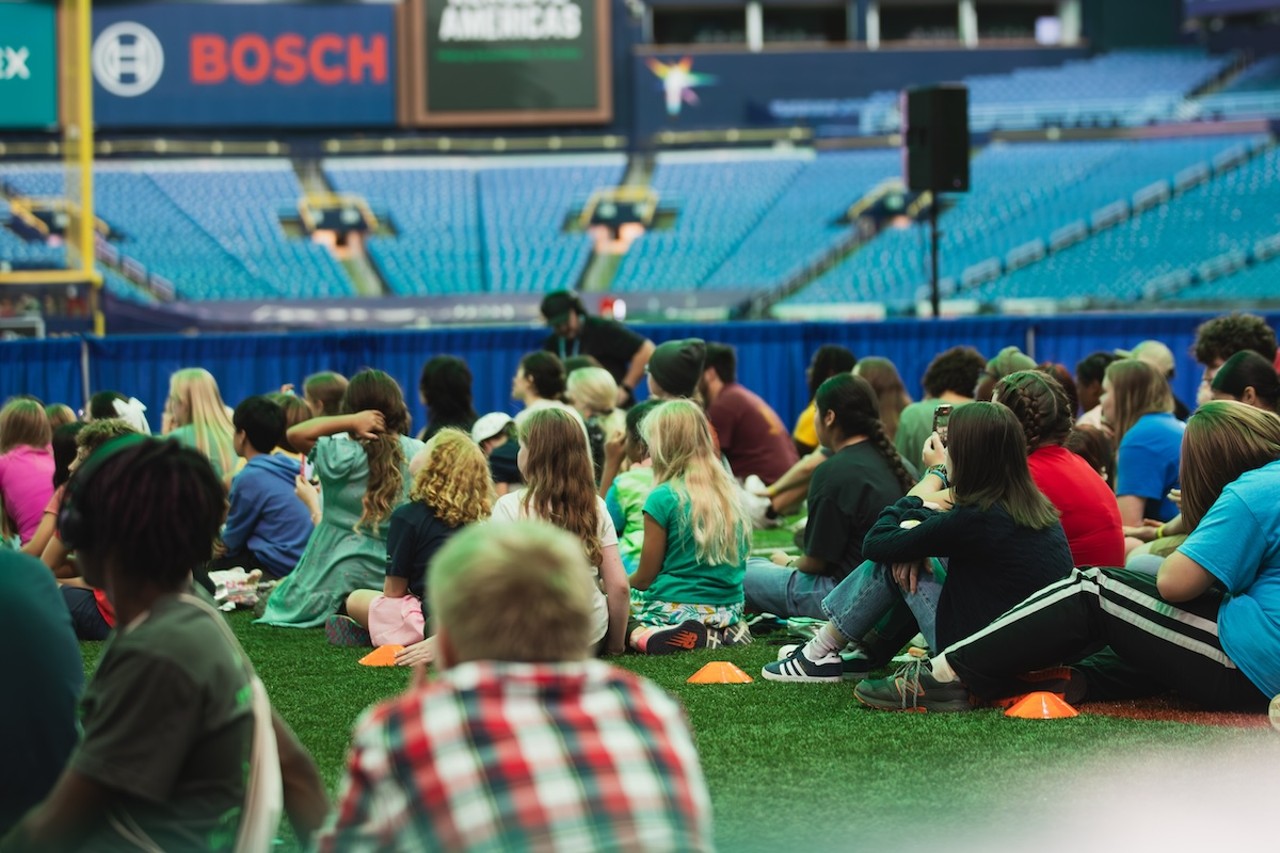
{"points": [[795, 767]]}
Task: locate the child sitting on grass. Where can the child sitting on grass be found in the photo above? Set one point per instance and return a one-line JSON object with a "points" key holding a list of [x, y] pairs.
{"points": [[626, 495], [267, 527], [451, 489], [696, 539]]}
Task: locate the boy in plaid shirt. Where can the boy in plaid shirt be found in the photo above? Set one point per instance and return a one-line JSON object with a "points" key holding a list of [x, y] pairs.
{"points": [[523, 741]]}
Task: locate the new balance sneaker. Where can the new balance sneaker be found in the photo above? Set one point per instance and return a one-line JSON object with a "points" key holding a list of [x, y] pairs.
{"points": [[798, 668], [684, 637], [344, 631], [913, 688]]}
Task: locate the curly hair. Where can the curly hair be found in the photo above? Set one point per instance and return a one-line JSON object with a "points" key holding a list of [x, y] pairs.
{"points": [[1222, 337], [1041, 405], [373, 389], [857, 412], [685, 454], [955, 370], [559, 477], [455, 480]]}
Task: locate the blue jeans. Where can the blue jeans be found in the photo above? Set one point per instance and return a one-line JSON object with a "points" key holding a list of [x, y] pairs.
{"points": [[770, 588], [869, 592]]}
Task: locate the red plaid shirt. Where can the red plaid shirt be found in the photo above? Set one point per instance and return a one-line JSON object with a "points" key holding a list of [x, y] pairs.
{"points": [[501, 756]]}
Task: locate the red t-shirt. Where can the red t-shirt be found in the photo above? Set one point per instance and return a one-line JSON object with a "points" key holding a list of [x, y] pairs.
{"points": [[1090, 513], [752, 436]]}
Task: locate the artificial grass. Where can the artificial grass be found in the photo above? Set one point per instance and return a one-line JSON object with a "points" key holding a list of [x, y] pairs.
{"points": [[788, 766]]}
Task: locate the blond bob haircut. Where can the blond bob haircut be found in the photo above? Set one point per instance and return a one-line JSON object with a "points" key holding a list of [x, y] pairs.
{"points": [[202, 409], [594, 391], [1138, 389], [1223, 440], [454, 481], [23, 421], [512, 591]]}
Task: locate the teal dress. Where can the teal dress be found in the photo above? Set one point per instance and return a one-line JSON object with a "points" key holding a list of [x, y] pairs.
{"points": [[337, 561]]}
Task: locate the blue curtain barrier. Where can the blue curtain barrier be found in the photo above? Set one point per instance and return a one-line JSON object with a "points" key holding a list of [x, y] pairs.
{"points": [[771, 356]]}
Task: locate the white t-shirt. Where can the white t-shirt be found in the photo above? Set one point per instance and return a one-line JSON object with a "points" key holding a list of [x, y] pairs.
{"points": [[510, 507], [549, 404]]}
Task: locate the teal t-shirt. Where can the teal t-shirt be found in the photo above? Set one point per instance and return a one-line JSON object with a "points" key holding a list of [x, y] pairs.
{"points": [[1238, 542], [684, 579]]}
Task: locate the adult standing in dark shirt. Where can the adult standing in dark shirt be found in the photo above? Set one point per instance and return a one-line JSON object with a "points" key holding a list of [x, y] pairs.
{"points": [[619, 350]]}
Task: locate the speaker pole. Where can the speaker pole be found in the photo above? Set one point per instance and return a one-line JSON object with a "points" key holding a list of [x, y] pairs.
{"points": [[935, 298]]}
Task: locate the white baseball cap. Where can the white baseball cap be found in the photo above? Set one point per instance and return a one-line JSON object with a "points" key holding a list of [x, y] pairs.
{"points": [[489, 425]]}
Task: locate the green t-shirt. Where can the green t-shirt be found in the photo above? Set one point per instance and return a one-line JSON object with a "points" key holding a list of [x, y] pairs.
{"points": [[684, 579], [168, 726], [914, 426]]}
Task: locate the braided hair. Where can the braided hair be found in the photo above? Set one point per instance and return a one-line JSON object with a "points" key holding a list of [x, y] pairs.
{"points": [[857, 412], [1041, 405]]}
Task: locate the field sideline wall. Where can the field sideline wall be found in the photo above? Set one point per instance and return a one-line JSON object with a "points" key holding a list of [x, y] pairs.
{"points": [[771, 356]]}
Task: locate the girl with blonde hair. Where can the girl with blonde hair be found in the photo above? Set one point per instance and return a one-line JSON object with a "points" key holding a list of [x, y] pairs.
{"points": [[196, 417], [559, 488], [696, 539], [362, 459], [1138, 407], [451, 489], [594, 392]]}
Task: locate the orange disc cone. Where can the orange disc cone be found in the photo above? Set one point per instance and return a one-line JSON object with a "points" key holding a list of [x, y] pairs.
{"points": [[1041, 705], [720, 672], [382, 656]]}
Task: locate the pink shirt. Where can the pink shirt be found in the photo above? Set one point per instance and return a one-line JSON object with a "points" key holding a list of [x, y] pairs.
{"points": [[26, 482]]}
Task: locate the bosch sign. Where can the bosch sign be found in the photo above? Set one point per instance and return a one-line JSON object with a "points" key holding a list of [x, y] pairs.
{"points": [[177, 64], [330, 59]]}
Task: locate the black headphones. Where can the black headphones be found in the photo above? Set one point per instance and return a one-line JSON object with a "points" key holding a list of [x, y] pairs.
{"points": [[73, 526]]}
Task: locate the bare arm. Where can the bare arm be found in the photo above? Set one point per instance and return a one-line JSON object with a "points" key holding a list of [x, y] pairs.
{"points": [[618, 595], [652, 553], [1182, 579], [305, 800], [366, 424], [1132, 510], [58, 559], [394, 587], [798, 474], [76, 804], [35, 545], [635, 370]]}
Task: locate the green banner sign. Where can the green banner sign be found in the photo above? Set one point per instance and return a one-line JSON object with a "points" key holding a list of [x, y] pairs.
{"points": [[495, 62], [28, 65]]}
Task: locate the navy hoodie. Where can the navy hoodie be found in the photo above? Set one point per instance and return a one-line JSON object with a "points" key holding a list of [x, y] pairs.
{"points": [[266, 518]]}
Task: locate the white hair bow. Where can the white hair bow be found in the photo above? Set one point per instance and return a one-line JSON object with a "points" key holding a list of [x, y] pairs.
{"points": [[132, 412]]}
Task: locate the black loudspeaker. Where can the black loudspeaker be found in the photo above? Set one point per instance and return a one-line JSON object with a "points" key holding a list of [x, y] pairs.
{"points": [[936, 134]]}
